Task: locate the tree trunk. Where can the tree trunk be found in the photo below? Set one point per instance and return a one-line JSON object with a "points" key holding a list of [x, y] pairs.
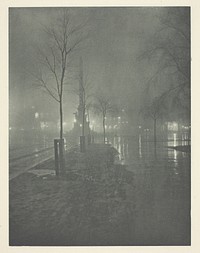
{"points": [[88, 126], [61, 146], [83, 122], [88, 122], [82, 138], [154, 130], [61, 120], [104, 130]]}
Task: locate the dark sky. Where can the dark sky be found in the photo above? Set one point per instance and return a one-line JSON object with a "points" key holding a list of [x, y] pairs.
{"points": [[117, 37]]}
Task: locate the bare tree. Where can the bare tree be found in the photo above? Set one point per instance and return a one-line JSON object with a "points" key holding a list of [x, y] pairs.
{"points": [[103, 106], [63, 38], [154, 111], [84, 91], [170, 50]]}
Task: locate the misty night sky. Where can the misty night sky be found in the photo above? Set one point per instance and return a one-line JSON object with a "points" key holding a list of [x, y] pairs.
{"points": [[117, 36]]}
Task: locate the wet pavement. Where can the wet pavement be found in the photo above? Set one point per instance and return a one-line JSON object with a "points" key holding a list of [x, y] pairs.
{"points": [[28, 154], [26, 158], [162, 190], [150, 206]]}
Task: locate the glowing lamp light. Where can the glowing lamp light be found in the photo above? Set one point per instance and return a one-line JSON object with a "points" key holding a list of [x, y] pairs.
{"points": [[36, 115], [172, 126]]}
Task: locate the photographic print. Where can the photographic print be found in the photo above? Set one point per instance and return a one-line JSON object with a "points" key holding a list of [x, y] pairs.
{"points": [[100, 126]]}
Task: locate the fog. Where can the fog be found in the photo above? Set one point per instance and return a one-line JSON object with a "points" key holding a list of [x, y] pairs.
{"points": [[99, 126], [117, 38]]}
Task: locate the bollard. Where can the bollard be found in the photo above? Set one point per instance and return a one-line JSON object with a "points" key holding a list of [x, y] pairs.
{"points": [[82, 143], [59, 156]]}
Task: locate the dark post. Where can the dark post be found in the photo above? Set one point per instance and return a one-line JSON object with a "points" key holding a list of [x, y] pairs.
{"points": [[59, 156], [82, 143]]}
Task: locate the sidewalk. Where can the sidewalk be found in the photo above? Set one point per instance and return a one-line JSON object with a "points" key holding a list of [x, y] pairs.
{"points": [[92, 205]]}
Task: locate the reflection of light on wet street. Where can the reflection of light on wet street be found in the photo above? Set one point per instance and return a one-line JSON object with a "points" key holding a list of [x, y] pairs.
{"points": [[126, 150], [175, 141], [175, 171], [121, 145], [184, 139], [162, 188], [175, 155], [36, 150]]}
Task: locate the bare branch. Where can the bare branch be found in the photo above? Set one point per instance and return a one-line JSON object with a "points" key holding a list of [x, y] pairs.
{"points": [[56, 40], [47, 88], [41, 83], [77, 29], [79, 41]]}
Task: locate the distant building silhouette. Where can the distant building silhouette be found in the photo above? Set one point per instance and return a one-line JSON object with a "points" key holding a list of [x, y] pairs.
{"points": [[80, 117]]}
